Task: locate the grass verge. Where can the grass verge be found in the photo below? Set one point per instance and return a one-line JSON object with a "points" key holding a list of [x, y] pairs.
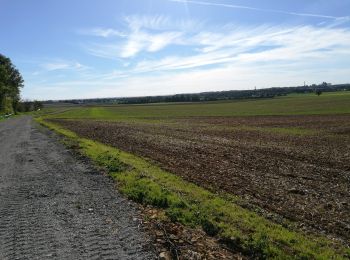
{"points": [[191, 205], [3, 118]]}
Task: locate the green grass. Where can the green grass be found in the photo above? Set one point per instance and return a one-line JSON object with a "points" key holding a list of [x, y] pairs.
{"points": [[298, 104], [2, 118], [290, 130], [191, 205], [295, 131]]}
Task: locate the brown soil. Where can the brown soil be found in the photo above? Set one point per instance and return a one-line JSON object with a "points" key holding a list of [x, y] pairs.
{"points": [[304, 178], [175, 241]]}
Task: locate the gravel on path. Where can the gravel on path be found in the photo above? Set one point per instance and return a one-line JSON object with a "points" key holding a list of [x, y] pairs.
{"points": [[53, 206]]}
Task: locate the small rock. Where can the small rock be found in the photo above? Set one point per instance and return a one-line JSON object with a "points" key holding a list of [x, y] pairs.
{"points": [[159, 233], [164, 256], [193, 239], [194, 254], [297, 191]]}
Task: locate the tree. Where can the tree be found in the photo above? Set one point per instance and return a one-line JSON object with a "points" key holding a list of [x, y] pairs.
{"points": [[37, 105], [25, 106], [11, 82]]}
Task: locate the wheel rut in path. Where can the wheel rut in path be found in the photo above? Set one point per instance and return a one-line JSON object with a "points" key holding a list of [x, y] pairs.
{"points": [[53, 206]]}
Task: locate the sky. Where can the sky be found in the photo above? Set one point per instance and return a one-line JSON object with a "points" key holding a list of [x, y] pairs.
{"points": [[69, 49]]}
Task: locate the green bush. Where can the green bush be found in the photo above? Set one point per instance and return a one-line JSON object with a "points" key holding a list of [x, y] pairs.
{"points": [[6, 106]]}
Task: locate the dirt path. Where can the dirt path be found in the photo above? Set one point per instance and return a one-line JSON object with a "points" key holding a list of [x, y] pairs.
{"points": [[54, 207]]}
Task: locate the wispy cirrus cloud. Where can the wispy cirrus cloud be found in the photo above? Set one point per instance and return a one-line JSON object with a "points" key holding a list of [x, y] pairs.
{"points": [[161, 22], [260, 9], [218, 44], [55, 66], [236, 45], [134, 43], [62, 65], [102, 32], [142, 34], [160, 55], [141, 41]]}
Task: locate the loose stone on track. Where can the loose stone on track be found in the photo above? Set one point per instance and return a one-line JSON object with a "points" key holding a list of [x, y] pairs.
{"points": [[55, 207]]}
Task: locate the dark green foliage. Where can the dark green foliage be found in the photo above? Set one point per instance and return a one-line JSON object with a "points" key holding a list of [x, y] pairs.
{"points": [[6, 106], [24, 106], [210, 227], [11, 82], [111, 163], [37, 105], [259, 247], [318, 92], [28, 106]]}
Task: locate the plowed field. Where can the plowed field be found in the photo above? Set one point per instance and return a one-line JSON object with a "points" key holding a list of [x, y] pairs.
{"points": [[295, 166]]}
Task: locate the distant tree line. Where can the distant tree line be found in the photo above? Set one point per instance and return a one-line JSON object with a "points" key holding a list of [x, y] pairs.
{"points": [[216, 96], [11, 82], [27, 106]]}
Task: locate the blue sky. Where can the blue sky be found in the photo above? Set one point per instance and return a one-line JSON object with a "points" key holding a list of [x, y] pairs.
{"points": [[107, 48]]}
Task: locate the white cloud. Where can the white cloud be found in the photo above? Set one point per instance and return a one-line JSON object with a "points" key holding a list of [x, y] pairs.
{"points": [[161, 22], [55, 66], [254, 45], [134, 43], [141, 41], [216, 45], [143, 34], [102, 32], [226, 57], [62, 65], [259, 9], [105, 50], [156, 22], [215, 58]]}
